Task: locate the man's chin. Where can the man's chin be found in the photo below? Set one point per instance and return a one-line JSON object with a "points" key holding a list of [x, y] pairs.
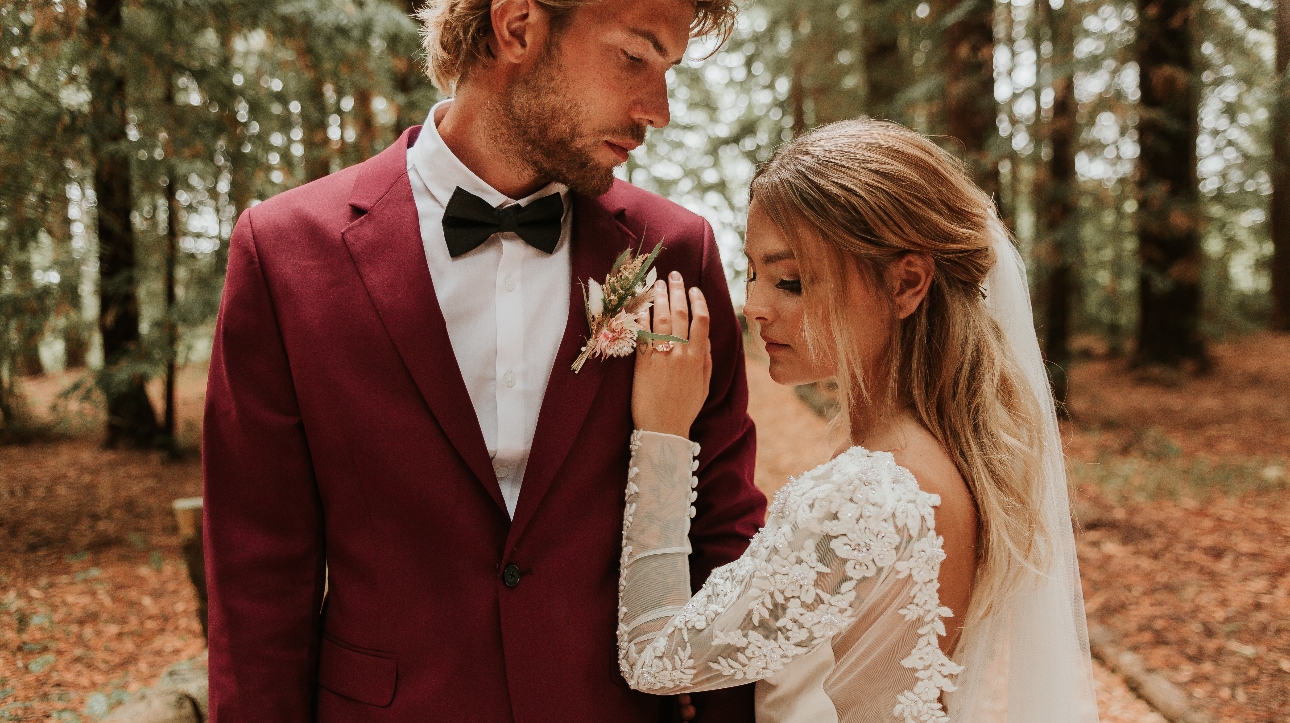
{"points": [[590, 180]]}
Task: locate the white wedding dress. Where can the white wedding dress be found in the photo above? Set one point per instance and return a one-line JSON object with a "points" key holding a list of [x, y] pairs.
{"points": [[833, 609]]}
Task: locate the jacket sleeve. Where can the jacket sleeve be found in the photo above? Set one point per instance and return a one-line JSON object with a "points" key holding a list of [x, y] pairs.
{"points": [[263, 529], [729, 509]]}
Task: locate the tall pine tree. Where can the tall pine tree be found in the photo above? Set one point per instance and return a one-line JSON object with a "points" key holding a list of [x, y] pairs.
{"points": [[1280, 225], [1168, 216], [130, 414], [1057, 192]]}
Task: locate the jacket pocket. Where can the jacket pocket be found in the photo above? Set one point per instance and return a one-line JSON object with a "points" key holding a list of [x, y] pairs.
{"points": [[365, 676]]}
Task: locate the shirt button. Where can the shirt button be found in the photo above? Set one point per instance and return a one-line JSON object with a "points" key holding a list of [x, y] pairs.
{"points": [[509, 379], [510, 283], [502, 470], [511, 576]]}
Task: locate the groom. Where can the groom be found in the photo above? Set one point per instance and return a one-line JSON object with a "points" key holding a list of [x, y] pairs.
{"points": [[413, 506]]}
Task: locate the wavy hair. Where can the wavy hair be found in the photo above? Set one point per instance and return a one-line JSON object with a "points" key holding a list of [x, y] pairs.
{"points": [[851, 197], [454, 33]]}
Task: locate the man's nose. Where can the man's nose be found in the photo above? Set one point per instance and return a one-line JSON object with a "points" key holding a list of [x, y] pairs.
{"points": [[652, 107]]}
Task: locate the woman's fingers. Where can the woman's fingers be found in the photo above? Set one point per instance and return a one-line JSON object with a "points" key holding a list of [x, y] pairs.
{"points": [[642, 318], [680, 309], [662, 309], [700, 321]]}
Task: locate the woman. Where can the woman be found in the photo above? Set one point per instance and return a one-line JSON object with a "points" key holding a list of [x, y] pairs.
{"points": [[927, 572]]}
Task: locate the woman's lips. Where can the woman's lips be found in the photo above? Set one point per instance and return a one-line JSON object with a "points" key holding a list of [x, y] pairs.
{"points": [[774, 346]]}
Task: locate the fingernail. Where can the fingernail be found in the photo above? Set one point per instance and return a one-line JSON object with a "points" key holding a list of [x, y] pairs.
{"points": [[675, 276]]}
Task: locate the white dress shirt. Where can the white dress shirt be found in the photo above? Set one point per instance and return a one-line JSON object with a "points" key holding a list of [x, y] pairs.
{"points": [[506, 304]]}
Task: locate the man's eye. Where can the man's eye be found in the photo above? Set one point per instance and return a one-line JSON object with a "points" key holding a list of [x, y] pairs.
{"points": [[632, 58], [792, 286]]}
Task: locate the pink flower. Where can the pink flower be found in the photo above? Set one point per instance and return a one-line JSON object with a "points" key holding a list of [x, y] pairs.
{"points": [[616, 338]]}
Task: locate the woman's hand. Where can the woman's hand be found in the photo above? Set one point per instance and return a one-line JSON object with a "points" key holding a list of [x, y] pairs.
{"points": [[671, 386]]}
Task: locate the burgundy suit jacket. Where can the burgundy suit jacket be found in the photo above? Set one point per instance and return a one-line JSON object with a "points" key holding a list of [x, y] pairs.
{"points": [[342, 455]]}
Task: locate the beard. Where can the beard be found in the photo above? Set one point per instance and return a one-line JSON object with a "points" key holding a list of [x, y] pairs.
{"points": [[546, 129]]}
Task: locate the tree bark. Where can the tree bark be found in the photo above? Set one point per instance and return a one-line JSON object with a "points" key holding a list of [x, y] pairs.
{"points": [[130, 414], [969, 89], [1168, 216], [172, 328], [1059, 229], [883, 76], [1280, 221]]}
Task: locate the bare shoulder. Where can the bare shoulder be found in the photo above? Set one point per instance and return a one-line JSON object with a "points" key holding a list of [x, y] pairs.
{"points": [[915, 449]]}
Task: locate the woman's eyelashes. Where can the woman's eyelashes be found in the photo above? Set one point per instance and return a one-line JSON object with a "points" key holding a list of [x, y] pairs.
{"points": [[792, 286]]}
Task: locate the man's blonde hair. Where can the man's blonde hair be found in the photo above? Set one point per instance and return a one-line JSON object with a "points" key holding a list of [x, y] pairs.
{"points": [[455, 32]]}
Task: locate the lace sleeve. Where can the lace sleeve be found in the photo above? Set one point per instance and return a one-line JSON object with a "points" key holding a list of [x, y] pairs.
{"points": [[844, 536]]}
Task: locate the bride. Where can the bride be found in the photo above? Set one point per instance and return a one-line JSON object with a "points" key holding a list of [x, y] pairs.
{"points": [[927, 572]]}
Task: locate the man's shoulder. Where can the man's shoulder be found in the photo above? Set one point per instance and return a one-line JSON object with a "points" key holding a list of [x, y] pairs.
{"points": [[335, 200], [641, 210], [324, 202]]}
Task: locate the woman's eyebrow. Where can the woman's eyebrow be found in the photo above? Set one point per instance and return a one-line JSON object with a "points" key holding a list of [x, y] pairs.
{"points": [[779, 256]]}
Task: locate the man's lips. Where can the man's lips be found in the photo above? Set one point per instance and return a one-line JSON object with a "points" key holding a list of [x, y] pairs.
{"points": [[621, 148]]}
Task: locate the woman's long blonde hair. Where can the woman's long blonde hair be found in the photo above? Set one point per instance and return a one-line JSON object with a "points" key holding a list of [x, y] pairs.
{"points": [[852, 197]]}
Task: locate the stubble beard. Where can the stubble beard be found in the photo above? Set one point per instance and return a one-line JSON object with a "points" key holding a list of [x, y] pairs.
{"points": [[543, 129]]}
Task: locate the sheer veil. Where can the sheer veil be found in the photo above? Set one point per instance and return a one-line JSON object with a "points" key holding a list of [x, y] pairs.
{"points": [[1029, 661]]}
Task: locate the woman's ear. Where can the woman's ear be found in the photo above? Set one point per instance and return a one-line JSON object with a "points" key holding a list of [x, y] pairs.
{"points": [[910, 276]]}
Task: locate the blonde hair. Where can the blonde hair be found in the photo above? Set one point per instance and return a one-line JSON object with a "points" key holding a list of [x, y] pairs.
{"points": [[853, 196], [455, 33]]}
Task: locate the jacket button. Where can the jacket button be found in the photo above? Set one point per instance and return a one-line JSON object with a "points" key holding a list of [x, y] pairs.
{"points": [[511, 576]]}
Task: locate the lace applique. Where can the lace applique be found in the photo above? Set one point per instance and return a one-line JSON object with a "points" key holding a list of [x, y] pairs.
{"points": [[849, 520]]}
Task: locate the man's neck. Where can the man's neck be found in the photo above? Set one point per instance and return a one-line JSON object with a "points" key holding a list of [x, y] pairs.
{"points": [[468, 129]]}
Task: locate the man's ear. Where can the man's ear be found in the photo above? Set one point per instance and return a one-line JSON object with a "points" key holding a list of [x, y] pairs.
{"points": [[520, 29], [910, 276]]}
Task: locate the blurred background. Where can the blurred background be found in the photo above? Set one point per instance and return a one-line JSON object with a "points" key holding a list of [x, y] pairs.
{"points": [[1138, 149]]}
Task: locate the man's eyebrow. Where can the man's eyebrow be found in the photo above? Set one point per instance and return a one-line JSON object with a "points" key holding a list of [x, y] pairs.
{"points": [[653, 40]]}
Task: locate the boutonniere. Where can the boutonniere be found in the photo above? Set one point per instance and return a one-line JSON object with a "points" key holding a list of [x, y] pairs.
{"points": [[612, 308]]}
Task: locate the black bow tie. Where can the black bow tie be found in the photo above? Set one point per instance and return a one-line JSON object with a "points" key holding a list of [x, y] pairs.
{"points": [[469, 221]]}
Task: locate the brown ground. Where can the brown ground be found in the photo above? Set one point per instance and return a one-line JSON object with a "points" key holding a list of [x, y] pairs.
{"points": [[1181, 489], [1179, 484]]}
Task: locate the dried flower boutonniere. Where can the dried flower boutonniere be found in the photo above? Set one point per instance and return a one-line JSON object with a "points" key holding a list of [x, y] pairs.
{"points": [[613, 306]]}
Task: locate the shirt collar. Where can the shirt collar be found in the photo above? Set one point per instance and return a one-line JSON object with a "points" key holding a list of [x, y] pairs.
{"points": [[442, 172]]}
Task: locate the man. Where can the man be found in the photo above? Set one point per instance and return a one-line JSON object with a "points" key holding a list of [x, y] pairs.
{"points": [[413, 505]]}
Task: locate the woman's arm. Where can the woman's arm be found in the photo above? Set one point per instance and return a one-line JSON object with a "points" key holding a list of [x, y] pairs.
{"points": [[851, 534]]}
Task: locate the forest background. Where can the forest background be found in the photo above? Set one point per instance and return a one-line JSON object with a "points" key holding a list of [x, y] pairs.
{"points": [[1139, 150], [1132, 146]]}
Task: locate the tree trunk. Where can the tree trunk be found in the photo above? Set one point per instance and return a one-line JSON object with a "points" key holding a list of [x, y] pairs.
{"points": [[969, 89], [130, 414], [1168, 216], [1058, 189], [366, 131], [408, 76], [1280, 221], [883, 76], [172, 328]]}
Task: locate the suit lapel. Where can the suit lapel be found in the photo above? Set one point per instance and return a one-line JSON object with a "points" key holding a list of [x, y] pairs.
{"points": [[386, 247], [596, 241]]}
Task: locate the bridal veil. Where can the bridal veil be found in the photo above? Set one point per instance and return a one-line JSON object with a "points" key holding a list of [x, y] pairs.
{"points": [[1028, 662]]}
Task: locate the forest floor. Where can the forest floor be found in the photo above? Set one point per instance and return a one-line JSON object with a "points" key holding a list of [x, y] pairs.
{"points": [[1179, 484]]}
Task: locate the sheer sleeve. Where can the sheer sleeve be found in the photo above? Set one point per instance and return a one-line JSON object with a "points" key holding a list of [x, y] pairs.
{"points": [[846, 538]]}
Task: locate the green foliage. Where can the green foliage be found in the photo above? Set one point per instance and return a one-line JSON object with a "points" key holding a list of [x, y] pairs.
{"points": [[229, 102]]}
